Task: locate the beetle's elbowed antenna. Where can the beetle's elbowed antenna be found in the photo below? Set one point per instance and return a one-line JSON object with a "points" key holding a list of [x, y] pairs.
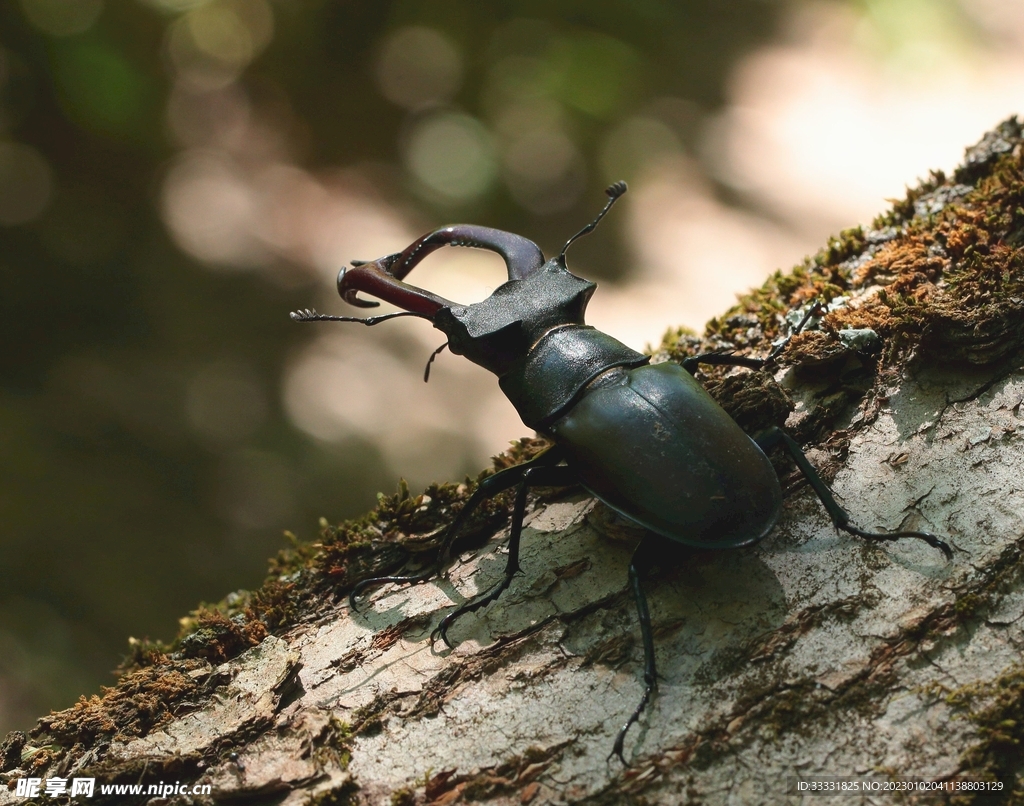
{"points": [[614, 192], [433, 355]]}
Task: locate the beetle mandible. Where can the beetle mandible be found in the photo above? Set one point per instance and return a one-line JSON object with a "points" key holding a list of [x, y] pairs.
{"points": [[646, 439]]}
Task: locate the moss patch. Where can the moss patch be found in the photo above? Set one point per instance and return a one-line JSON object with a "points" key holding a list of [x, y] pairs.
{"points": [[996, 708], [143, 700]]}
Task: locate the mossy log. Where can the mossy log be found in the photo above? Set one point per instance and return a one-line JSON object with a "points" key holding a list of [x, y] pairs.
{"points": [[814, 653]]}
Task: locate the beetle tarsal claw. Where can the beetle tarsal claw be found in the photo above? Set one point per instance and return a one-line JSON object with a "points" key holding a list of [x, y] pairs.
{"points": [[927, 537], [617, 751], [441, 631], [620, 739]]}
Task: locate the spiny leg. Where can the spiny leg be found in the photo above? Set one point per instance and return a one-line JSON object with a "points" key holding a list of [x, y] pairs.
{"points": [[433, 355], [638, 566], [536, 476], [840, 517], [730, 360], [488, 488], [721, 359]]}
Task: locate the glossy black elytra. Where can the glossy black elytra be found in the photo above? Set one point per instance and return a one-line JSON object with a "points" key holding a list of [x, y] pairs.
{"points": [[645, 439]]}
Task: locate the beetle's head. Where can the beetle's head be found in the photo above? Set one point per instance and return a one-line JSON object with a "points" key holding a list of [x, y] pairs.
{"points": [[384, 277], [539, 295]]}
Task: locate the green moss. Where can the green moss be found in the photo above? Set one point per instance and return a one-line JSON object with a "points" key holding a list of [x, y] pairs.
{"points": [[344, 795], [902, 210], [402, 797], [210, 634], [969, 604], [996, 708], [332, 748], [850, 243]]}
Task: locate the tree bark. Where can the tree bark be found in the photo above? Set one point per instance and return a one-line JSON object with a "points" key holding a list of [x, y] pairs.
{"points": [[813, 654]]}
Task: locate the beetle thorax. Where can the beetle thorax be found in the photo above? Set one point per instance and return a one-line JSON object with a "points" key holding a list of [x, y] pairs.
{"points": [[502, 329], [531, 333]]}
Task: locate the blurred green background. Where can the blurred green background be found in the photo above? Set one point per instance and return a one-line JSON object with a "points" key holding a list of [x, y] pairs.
{"points": [[171, 172]]}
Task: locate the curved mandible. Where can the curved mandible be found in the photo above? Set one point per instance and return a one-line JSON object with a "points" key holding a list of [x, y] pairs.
{"points": [[522, 256], [375, 277]]}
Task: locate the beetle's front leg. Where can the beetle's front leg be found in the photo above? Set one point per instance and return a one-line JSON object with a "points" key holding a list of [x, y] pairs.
{"points": [[537, 476], [721, 360], [840, 517], [730, 360], [488, 488]]}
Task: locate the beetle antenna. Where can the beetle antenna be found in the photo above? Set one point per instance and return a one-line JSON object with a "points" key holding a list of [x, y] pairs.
{"points": [[310, 315], [433, 355], [613, 192]]}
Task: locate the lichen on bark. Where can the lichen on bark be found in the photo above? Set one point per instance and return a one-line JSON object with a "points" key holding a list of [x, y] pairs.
{"points": [[812, 654]]}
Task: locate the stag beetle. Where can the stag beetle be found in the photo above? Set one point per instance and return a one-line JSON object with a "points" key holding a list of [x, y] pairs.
{"points": [[646, 439]]}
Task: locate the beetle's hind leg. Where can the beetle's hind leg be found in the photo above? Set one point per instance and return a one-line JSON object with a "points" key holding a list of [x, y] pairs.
{"points": [[559, 476], [639, 564], [488, 488], [840, 517]]}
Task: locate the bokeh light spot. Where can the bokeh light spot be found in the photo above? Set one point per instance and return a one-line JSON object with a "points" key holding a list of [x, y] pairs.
{"points": [[914, 35], [211, 44], [218, 32], [209, 208], [418, 66], [517, 78], [62, 17], [451, 155], [545, 171], [636, 144], [25, 183], [225, 402], [99, 88], [594, 73]]}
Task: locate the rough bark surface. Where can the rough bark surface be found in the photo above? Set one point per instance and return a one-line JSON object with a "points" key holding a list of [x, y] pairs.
{"points": [[814, 653]]}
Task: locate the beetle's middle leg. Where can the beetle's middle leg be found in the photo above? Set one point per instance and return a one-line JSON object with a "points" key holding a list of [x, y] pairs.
{"points": [[638, 566], [536, 476], [840, 517]]}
